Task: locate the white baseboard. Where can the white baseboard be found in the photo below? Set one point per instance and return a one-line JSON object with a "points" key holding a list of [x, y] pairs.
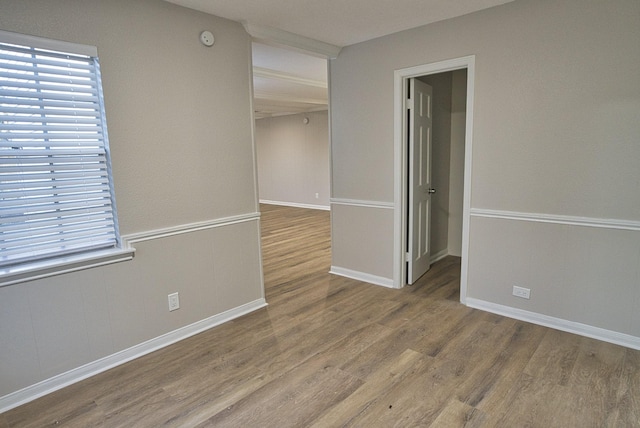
{"points": [[296, 205], [55, 383], [361, 276], [439, 255], [379, 280], [614, 337]]}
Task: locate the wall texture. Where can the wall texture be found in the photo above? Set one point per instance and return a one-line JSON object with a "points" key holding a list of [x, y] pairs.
{"points": [[180, 128], [293, 159], [556, 120]]}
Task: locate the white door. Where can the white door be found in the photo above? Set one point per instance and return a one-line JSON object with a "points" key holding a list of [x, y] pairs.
{"points": [[420, 190]]}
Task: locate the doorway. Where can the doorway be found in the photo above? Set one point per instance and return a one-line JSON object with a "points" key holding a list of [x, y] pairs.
{"points": [[291, 130], [452, 216]]}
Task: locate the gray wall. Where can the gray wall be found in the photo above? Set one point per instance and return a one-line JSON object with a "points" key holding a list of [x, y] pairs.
{"points": [[180, 128], [293, 159], [554, 144]]}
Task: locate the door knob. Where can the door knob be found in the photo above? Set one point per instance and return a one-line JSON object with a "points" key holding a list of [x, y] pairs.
{"points": [[432, 190]]}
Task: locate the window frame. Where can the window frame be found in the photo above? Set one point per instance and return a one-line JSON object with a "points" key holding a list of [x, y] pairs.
{"points": [[64, 262]]}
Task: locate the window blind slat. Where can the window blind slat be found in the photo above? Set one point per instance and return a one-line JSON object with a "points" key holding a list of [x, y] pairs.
{"points": [[52, 127], [13, 72], [16, 186], [45, 96], [42, 107], [55, 210], [40, 237], [65, 154], [46, 60], [29, 253], [7, 71], [38, 84], [53, 252], [83, 168], [42, 169], [52, 145], [55, 48], [34, 201], [35, 224], [60, 163], [77, 175], [70, 217], [54, 206], [13, 196], [52, 135], [43, 229], [53, 119], [56, 234], [38, 187]]}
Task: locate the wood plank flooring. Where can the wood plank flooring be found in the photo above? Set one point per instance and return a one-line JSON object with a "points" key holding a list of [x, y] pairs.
{"points": [[334, 352]]}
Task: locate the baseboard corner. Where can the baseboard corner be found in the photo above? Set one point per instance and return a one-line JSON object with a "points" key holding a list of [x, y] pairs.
{"points": [[362, 276]]}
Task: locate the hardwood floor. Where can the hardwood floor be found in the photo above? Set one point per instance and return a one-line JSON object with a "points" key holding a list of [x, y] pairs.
{"points": [[330, 351]]}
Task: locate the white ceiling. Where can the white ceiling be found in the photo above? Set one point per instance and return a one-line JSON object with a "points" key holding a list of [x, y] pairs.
{"points": [[339, 22], [287, 82]]}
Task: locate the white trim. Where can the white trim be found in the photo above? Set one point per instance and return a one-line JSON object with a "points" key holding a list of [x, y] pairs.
{"points": [[362, 276], [400, 161], [254, 149], [268, 73], [262, 115], [295, 205], [610, 336], [439, 255], [60, 381], [300, 43], [273, 96], [188, 228], [361, 203], [558, 219], [468, 166]]}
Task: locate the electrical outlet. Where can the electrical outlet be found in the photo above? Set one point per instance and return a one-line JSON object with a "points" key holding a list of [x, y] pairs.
{"points": [[317, 195], [174, 301], [521, 292]]}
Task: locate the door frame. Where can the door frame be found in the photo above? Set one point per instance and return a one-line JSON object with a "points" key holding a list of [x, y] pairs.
{"points": [[400, 154]]}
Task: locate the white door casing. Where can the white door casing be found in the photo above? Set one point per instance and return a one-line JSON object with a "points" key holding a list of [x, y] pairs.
{"points": [[420, 186], [401, 79]]}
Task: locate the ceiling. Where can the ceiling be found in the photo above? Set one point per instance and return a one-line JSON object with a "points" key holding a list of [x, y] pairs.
{"points": [[288, 82], [339, 22]]}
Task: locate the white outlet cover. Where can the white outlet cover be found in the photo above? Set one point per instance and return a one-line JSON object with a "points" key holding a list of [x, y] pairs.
{"points": [[522, 292], [174, 301]]}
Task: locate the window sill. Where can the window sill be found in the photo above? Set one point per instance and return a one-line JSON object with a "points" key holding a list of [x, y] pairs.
{"points": [[57, 266]]}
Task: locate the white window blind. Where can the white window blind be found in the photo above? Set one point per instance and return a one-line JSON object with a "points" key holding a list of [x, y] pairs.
{"points": [[56, 193]]}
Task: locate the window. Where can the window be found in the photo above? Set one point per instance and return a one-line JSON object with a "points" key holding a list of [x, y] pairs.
{"points": [[56, 190]]}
